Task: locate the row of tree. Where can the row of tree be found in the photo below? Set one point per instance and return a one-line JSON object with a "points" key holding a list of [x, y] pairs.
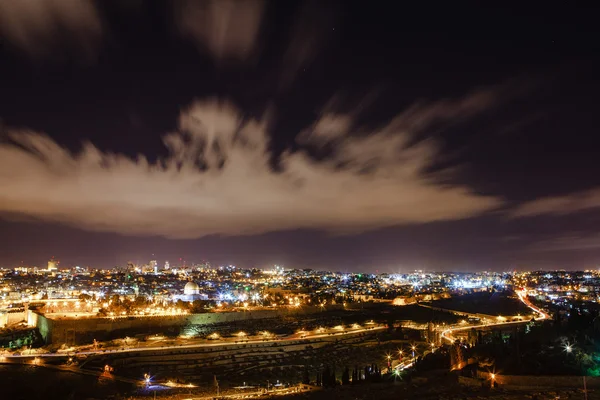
{"points": [[327, 377]]}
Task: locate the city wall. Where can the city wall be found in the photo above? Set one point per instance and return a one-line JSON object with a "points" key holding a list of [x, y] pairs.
{"points": [[85, 330], [456, 312], [7, 319], [535, 382]]}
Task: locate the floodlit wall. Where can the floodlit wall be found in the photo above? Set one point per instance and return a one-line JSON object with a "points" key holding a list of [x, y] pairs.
{"points": [[530, 381], [85, 330], [10, 318]]}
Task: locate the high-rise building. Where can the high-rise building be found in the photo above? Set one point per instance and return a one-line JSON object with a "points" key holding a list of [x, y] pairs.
{"points": [[166, 267], [154, 266], [52, 265]]}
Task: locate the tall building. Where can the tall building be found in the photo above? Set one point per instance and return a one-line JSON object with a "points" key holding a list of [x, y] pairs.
{"points": [[52, 265], [166, 267], [154, 266]]}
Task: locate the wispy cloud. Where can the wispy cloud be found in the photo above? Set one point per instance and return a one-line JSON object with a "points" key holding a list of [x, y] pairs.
{"points": [[226, 28], [41, 27], [560, 205], [217, 178], [574, 241], [312, 28]]}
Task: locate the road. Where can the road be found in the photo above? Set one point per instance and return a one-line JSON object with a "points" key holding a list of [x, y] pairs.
{"points": [[8, 357], [260, 393], [447, 334]]}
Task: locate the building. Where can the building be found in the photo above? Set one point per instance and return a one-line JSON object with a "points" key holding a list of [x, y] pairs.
{"points": [[191, 292], [154, 266], [52, 265]]}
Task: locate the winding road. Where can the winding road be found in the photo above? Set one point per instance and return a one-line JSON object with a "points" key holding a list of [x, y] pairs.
{"points": [[522, 294]]}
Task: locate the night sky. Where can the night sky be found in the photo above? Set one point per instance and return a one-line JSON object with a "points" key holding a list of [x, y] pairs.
{"points": [[350, 135]]}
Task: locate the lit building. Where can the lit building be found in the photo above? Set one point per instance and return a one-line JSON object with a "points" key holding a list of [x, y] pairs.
{"points": [[191, 292], [52, 265], [191, 288], [154, 266]]}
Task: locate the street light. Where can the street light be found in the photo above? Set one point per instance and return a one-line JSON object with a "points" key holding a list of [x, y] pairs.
{"points": [[568, 348]]}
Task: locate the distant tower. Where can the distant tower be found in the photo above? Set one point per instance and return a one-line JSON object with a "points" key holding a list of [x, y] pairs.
{"points": [[154, 266], [52, 265], [166, 266]]}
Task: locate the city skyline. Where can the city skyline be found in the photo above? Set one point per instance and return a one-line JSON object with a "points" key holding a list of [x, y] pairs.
{"points": [[327, 137]]}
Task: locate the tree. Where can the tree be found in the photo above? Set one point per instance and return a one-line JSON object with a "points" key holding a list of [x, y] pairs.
{"points": [[115, 299], [326, 376], [306, 377], [85, 297], [182, 305], [198, 306], [390, 324], [346, 376], [376, 374], [140, 301]]}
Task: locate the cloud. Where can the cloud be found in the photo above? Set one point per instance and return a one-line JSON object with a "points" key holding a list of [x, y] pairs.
{"points": [[560, 205], [311, 30], [574, 241], [217, 179], [39, 27], [416, 119], [227, 28]]}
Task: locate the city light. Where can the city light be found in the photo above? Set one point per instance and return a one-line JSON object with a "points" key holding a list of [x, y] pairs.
{"points": [[248, 290], [210, 200]]}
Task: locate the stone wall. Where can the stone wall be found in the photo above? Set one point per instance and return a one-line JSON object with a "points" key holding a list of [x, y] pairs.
{"points": [[530, 381], [7, 319], [85, 330]]}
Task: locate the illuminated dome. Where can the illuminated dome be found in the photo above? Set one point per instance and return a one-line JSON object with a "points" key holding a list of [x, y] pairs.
{"points": [[191, 288]]}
